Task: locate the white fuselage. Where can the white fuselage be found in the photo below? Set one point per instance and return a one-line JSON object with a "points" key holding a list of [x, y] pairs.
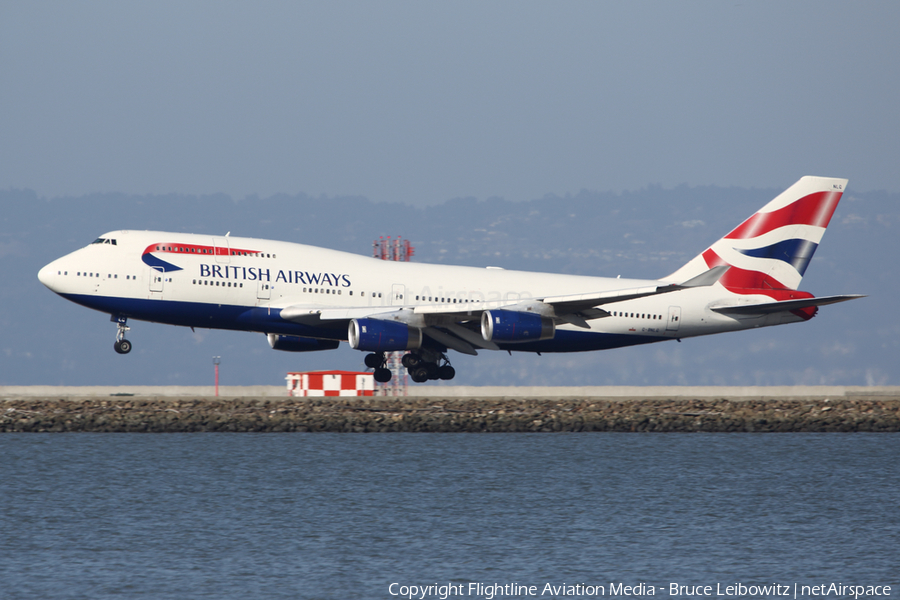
{"points": [[243, 283]]}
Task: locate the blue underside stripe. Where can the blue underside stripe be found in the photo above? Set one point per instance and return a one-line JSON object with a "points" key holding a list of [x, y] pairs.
{"points": [[582, 341], [200, 314], [264, 320]]}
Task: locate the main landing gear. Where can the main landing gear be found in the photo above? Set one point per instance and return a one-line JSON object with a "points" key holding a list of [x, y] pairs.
{"points": [[376, 361], [122, 346], [421, 367]]}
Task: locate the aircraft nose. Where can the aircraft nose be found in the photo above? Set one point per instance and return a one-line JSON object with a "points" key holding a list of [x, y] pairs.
{"points": [[47, 275]]}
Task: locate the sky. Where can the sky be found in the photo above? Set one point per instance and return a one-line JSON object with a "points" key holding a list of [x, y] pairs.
{"points": [[421, 102]]}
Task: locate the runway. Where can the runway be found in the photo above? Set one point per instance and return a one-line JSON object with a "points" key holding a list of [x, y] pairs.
{"points": [[446, 409]]}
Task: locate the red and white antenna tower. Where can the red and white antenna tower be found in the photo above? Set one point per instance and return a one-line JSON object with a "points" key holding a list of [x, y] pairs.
{"points": [[401, 250]]}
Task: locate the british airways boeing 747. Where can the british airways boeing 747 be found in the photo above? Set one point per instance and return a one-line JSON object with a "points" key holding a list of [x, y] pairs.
{"points": [[305, 298]]}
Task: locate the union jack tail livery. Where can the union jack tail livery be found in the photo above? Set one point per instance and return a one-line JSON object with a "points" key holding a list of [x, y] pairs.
{"points": [[771, 249], [767, 255]]}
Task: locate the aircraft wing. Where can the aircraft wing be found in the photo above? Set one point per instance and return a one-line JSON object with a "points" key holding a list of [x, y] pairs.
{"points": [[451, 324], [311, 314], [578, 309]]}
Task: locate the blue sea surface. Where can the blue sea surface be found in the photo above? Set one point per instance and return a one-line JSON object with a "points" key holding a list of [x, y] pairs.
{"points": [[237, 516]]}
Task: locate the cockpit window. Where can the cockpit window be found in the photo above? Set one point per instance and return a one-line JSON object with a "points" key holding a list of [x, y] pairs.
{"points": [[104, 241]]}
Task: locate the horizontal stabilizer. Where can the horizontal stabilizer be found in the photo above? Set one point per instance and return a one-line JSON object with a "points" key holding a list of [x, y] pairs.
{"points": [[785, 305], [705, 279]]}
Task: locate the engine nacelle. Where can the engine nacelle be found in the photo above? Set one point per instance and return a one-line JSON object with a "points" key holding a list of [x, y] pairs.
{"points": [[293, 343], [512, 326], [377, 335]]}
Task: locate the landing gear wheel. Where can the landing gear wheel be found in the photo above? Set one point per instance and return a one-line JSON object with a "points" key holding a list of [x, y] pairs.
{"points": [[432, 370], [382, 375], [122, 346], [411, 360], [446, 372], [374, 360], [419, 374]]}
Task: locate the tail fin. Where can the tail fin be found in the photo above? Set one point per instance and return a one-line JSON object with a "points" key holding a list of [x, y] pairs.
{"points": [[772, 248]]}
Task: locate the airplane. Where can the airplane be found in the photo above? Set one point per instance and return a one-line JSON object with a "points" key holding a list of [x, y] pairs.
{"points": [[306, 298]]}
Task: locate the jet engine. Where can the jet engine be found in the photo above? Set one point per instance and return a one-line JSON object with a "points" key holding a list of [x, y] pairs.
{"points": [[376, 335], [293, 343], [512, 326]]}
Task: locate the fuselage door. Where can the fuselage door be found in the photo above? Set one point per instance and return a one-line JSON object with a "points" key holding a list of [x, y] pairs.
{"points": [[264, 290], [157, 277], [398, 291], [223, 253], [674, 318]]}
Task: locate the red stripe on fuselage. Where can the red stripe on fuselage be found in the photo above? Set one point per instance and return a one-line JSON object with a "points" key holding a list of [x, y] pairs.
{"points": [[815, 209], [197, 249]]}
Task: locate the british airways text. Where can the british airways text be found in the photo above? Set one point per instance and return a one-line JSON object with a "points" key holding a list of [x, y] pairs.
{"points": [[260, 274]]}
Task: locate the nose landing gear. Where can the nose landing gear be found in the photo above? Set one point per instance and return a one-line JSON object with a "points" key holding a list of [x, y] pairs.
{"points": [[122, 346]]}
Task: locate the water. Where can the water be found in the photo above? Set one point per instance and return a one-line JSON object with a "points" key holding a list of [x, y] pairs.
{"points": [[343, 516]]}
